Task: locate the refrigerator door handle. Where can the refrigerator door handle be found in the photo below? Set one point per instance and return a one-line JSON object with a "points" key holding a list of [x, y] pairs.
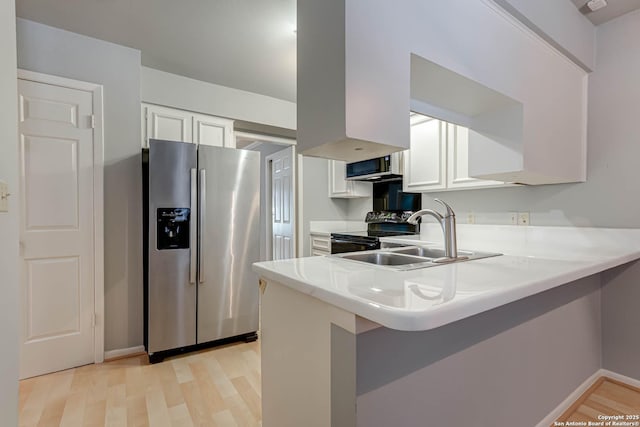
{"points": [[193, 227], [202, 222]]}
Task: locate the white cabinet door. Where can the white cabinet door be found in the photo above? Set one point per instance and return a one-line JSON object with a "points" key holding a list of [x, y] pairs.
{"points": [[339, 187], [168, 123], [425, 163], [179, 125], [211, 130], [320, 244], [458, 161]]}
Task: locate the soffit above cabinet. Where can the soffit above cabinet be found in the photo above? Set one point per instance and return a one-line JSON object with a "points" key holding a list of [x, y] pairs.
{"points": [[362, 66]]}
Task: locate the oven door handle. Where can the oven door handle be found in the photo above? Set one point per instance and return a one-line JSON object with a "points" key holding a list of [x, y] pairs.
{"points": [[353, 242], [340, 241]]}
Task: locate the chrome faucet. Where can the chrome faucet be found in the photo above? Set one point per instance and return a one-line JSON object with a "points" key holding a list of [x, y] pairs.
{"points": [[448, 224]]}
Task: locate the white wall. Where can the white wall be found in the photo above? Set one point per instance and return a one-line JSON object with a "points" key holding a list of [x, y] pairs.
{"points": [[317, 208], [358, 208], [176, 91], [9, 282], [316, 204], [609, 198], [53, 51]]}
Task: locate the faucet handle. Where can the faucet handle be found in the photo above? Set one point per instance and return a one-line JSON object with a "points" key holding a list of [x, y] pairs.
{"points": [[447, 207]]}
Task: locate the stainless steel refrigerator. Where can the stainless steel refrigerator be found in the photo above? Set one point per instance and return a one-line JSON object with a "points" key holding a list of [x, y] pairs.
{"points": [[201, 211]]}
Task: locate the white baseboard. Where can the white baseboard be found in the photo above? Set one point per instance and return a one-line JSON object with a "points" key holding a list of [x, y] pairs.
{"points": [[123, 352], [559, 410], [620, 377]]}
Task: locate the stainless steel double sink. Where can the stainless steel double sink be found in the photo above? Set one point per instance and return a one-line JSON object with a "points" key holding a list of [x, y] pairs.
{"points": [[411, 257]]}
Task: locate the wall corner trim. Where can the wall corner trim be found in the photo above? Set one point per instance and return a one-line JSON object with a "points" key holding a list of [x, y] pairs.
{"points": [[123, 352]]}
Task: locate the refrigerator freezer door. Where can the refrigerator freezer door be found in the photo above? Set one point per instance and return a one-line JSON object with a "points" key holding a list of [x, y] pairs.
{"points": [[229, 242], [171, 296]]}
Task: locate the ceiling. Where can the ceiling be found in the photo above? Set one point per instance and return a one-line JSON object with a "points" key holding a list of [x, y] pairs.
{"points": [[613, 9], [243, 44]]}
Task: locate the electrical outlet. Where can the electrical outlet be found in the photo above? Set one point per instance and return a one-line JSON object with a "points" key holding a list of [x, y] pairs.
{"points": [[514, 218], [523, 218], [471, 218]]}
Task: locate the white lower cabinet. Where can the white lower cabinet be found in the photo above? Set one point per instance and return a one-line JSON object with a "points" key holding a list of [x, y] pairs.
{"points": [[438, 158], [173, 124], [339, 187], [320, 244]]}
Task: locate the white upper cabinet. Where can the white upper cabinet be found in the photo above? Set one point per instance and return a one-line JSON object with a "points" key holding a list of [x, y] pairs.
{"points": [[439, 158], [425, 163], [210, 130], [458, 161], [167, 123], [179, 125], [339, 187]]}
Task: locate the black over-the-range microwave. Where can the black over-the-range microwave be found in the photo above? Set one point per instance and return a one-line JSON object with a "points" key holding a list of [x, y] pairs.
{"points": [[385, 167]]}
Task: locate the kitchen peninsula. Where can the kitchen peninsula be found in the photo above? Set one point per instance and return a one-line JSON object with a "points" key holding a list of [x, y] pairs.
{"points": [[500, 341]]}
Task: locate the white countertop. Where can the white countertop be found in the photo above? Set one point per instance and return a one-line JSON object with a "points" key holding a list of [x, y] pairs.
{"points": [[535, 259]]}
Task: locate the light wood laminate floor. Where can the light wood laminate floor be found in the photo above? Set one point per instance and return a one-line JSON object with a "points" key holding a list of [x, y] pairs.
{"points": [[215, 387], [605, 397]]}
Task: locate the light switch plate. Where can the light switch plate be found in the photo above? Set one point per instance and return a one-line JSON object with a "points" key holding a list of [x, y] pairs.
{"points": [[4, 197], [513, 218]]}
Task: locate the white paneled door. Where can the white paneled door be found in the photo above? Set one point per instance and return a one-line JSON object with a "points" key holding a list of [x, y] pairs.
{"points": [[282, 204], [56, 231]]}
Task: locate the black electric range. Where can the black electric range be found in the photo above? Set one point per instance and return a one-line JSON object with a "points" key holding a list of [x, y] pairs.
{"points": [[379, 224]]}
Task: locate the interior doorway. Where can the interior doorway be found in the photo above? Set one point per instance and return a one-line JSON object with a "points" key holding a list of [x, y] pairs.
{"points": [[281, 170], [277, 193]]}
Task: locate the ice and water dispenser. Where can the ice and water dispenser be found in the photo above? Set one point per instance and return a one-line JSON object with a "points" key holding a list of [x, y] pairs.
{"points": [[173, 228]]}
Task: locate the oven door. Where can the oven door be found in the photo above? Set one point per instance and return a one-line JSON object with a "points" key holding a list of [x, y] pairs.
{"points": [[341, 245]]}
